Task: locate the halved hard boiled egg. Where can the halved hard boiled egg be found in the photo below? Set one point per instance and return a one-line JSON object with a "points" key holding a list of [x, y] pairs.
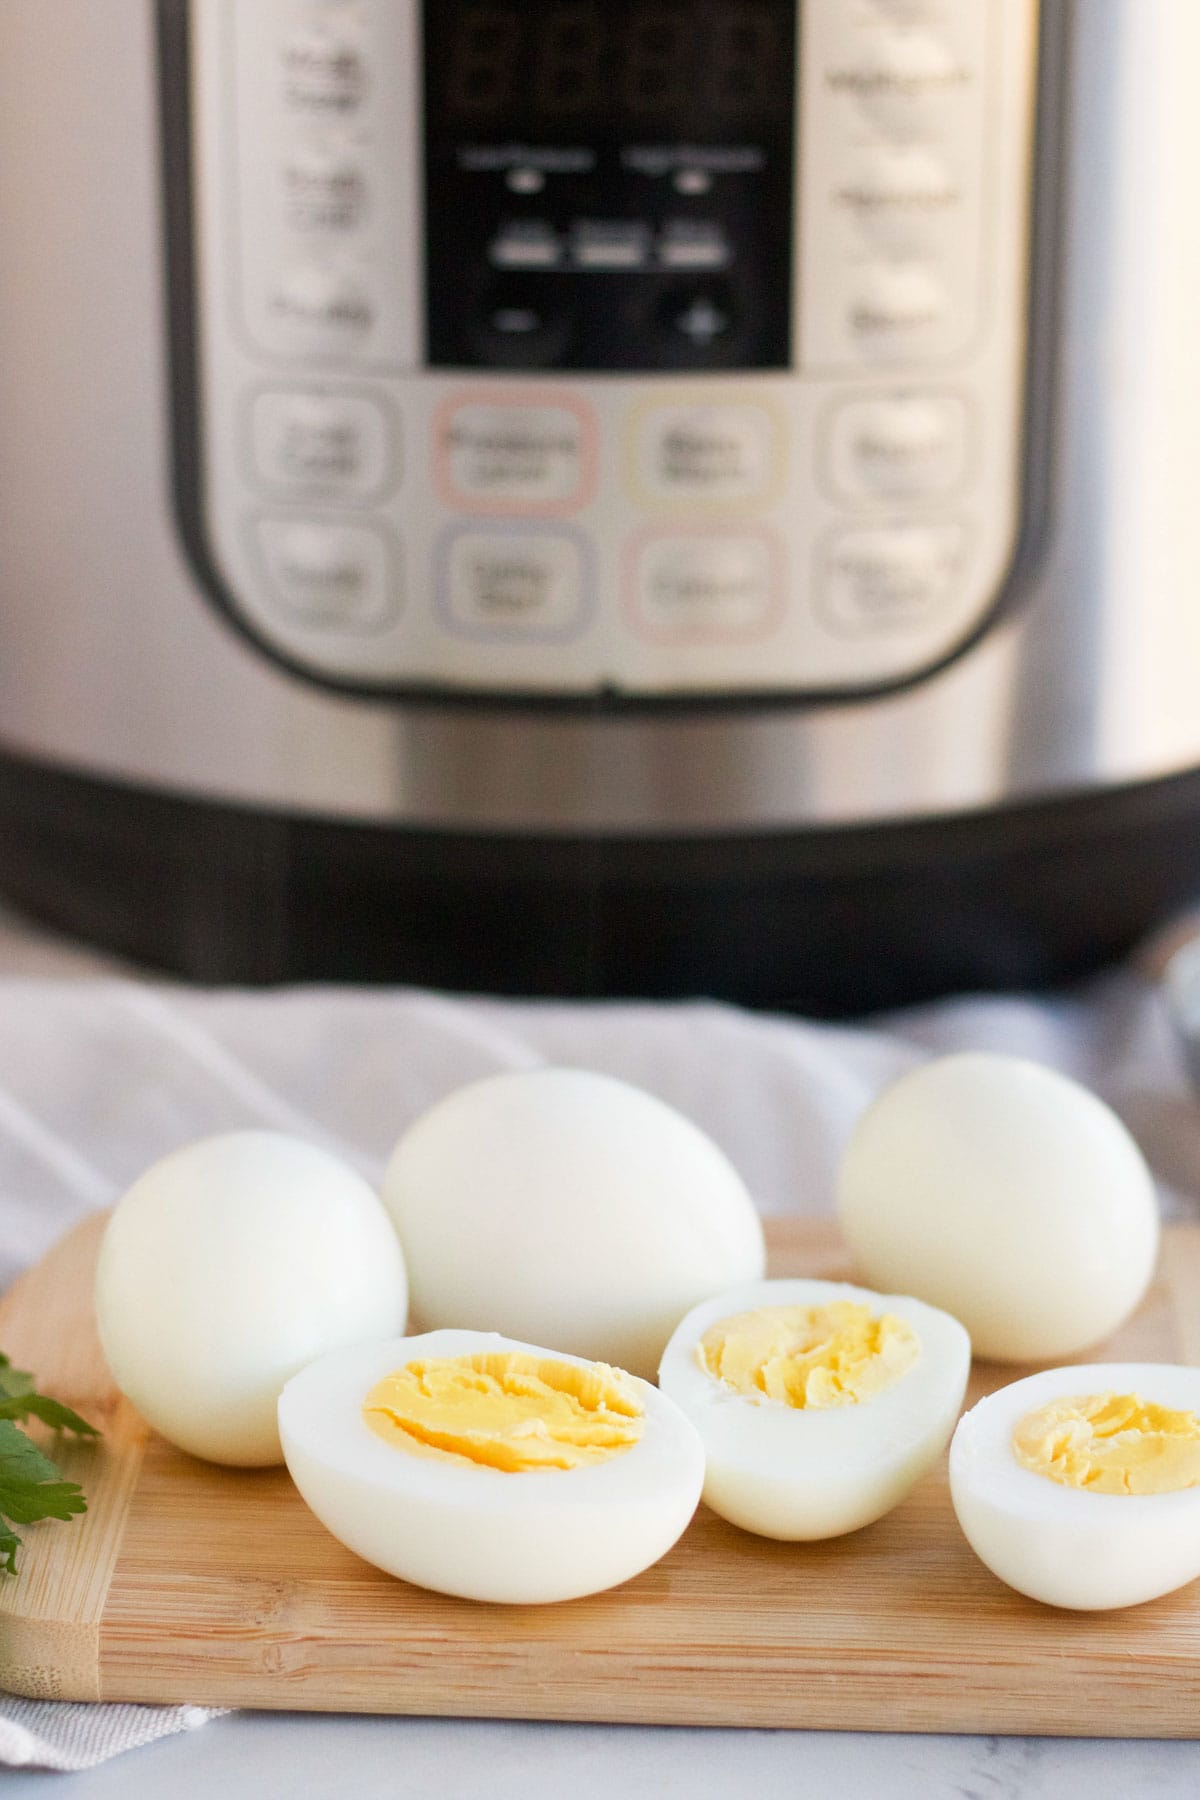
{"points": [[491, 1469], [819, 1404], [1080, 1486]]}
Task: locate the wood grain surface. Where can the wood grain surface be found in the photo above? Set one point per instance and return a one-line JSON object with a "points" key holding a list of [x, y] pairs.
{"points": [[188, 1583]]}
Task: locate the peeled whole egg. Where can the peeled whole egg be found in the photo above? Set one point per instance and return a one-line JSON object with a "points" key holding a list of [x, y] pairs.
{"points": [[490, 1469], [819, 1404], [567, 1208], [1042, 1521], [226, 1267], [1007, 1194]]}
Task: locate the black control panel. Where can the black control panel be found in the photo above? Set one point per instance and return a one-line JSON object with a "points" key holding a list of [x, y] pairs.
{"points": [[609, 183]]}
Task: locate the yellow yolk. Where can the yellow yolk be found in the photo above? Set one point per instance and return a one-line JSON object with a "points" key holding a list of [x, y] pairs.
{"points": [[509, 1411], [1111, 1444], [810, 1356]]}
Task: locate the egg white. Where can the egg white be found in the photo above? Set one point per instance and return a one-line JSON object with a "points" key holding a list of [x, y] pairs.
{"points": [[229, 1265], [796, 1474], [569, 1208], [1062, 1545], [477, 1532], [1006, 1193]]}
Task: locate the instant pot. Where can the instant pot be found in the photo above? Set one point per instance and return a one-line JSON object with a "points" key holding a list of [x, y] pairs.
{"points": [[602, 496]]}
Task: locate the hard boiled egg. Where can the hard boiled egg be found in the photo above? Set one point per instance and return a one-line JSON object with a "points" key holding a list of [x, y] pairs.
{"points": [[819, 1404], [229, 1265], [1007, 1194], [1081, 1486], [488, 1468], [568, 1208]]}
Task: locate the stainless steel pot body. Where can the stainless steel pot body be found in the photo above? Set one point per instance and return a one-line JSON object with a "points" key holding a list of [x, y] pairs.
{"points": [[142, 551]]}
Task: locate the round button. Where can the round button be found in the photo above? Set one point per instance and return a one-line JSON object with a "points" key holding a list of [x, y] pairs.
{"points": [[323, 191], [903, 199], [337, 577], [319, 307], [341, 445], [890, 578], [323, 74], [896, 447], [900, 311], [515, 458], [908, 12], [901, 79], [704, 589], [510, 585], [722, 453], [521, 323]]}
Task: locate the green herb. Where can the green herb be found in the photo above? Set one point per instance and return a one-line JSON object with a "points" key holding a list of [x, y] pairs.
{"points": [[31, 1488]]}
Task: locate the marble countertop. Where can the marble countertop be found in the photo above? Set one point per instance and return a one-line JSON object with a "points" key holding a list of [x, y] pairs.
{"points": [[244, 1756], [309, 1757]]}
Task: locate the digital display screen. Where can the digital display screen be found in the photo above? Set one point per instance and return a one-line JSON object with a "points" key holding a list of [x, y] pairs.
{"points": [[609, 184], [633, 64]]}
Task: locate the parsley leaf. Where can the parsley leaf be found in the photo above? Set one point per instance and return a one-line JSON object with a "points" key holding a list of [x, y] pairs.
{"points": [[31, 1487], [50, 1412], [14, 1381], [20, 1400]]}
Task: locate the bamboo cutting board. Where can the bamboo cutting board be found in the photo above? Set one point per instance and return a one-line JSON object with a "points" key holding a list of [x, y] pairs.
{"points": [[191, 1584]]}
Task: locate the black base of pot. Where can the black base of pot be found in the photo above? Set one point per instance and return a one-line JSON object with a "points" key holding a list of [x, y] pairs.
{"points": [[823, 922]]}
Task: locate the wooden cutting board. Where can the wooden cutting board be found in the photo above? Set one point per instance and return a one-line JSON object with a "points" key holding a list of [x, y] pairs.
{"points": [[186, 1583]]}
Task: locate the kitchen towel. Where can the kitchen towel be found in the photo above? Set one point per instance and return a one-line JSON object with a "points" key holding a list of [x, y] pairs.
{"points": [[101, 1075], [39, 1734]]}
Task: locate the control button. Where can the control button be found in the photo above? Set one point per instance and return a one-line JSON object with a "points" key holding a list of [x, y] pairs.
{"points": [[901, 78], [506, 584], [706, 588], [528, 244], [698, 318], [340, 577], [522, 323], [898, 446], [901, 311], [693, 244], [722, 453], [610, 244], [333, 443], [909, 11], [323, 191], [324, 74], [319, 307], [899, 198], [892, 578], [509, 457]]}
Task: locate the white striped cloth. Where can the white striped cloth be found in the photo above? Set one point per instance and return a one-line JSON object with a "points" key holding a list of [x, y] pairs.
{"points": [[37, 1734]]}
